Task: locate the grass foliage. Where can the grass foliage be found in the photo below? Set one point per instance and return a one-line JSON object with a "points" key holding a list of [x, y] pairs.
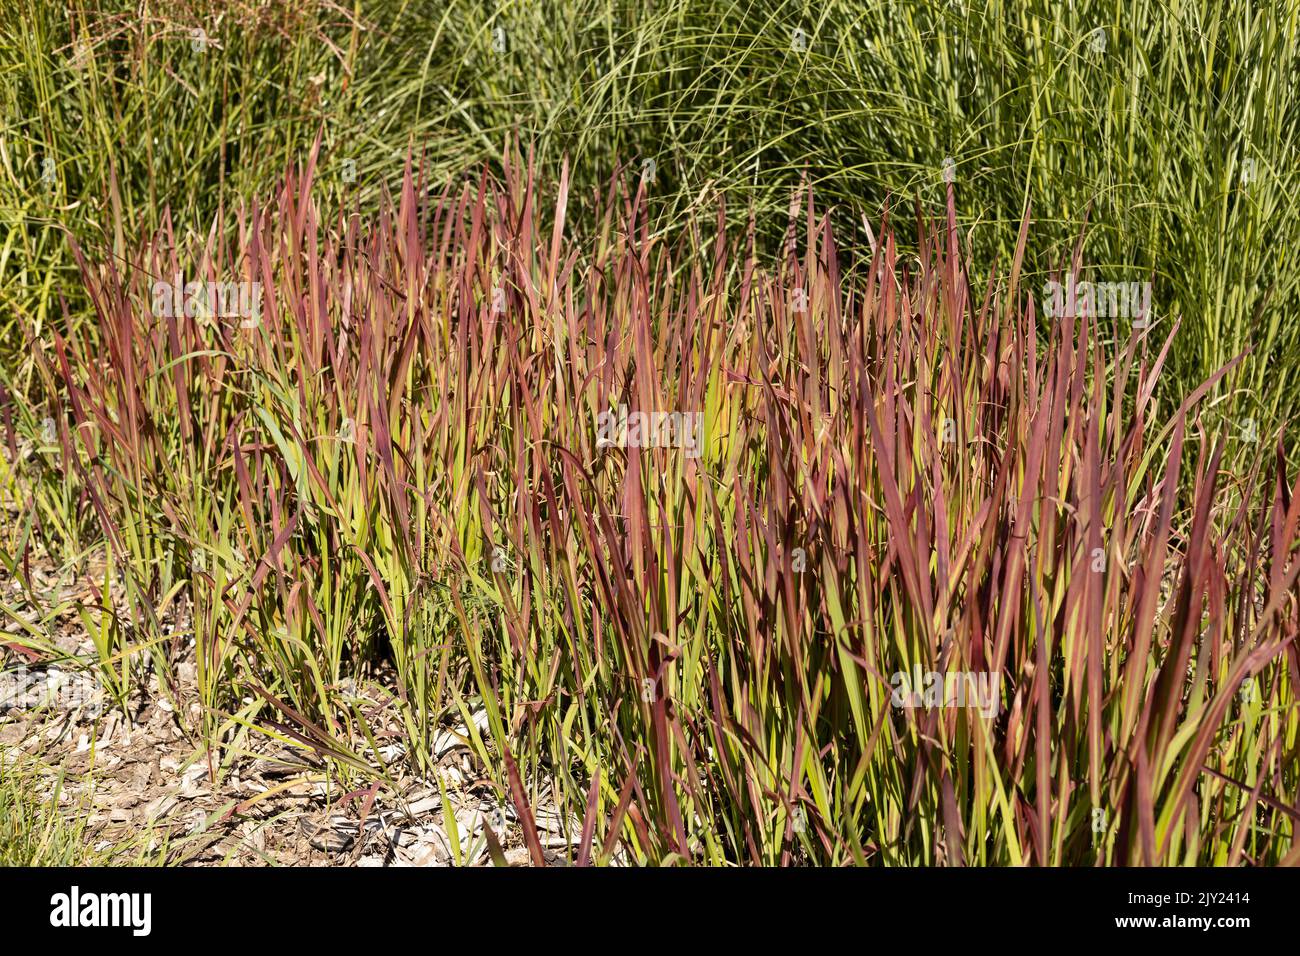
{"points": [[905, 465], [898, 472]]}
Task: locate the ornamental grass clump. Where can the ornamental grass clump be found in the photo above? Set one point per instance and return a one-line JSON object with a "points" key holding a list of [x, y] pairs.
{"points": [[884, 565]]}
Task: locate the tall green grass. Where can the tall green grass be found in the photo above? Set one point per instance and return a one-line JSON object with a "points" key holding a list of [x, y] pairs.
{"points": [[33, 834], [1172, 131], [42, 824]]}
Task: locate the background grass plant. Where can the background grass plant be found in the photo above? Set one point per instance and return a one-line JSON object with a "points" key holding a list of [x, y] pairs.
{"points": [[1170, 128]]}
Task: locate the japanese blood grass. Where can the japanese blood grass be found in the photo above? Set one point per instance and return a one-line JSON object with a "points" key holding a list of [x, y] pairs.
{"points": [[898, 472]]}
